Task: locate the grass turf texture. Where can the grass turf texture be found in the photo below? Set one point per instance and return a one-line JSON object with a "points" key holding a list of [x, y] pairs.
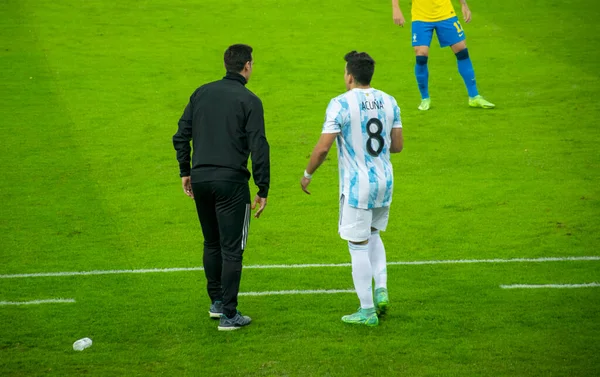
{"points": [[91, 95]]}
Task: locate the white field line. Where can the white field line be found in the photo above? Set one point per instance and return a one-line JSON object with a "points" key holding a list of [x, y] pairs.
{"points": [[296, 292], [283, 266], [537, 286], [102, 272], [37, 302]]}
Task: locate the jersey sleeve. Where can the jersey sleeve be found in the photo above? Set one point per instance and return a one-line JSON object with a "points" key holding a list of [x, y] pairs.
{"points": [[334, 117], [397, 119], [181, 141]]}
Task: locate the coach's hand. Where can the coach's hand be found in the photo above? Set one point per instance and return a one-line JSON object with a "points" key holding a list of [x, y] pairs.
{"points": [[186, 182], [304, 182], [398, 17], [262, 203]]}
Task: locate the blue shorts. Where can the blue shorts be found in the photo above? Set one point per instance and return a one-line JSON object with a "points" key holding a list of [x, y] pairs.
{"points": [[448, 31]]}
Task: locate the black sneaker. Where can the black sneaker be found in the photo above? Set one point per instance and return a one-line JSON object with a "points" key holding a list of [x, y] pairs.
{"points": [[235, 323], [216, 310]]}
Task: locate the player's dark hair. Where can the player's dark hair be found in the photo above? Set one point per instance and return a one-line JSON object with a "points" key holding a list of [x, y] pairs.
{"points": [[236, 57], [361, 66]]}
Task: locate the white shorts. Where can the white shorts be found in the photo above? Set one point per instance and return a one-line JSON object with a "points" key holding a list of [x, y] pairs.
{"points": [[356, 223]]}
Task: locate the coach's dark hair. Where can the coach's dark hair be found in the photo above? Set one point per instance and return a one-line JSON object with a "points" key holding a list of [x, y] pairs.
{"points": [[236, 57], [361, 66]]}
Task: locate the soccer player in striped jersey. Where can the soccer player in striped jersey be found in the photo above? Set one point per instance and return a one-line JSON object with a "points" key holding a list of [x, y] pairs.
{"points": [[439, 15], [366, 124]]}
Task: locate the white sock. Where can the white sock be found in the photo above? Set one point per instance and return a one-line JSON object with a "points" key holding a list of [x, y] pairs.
{"points": [[378, 261], [362, 274]]}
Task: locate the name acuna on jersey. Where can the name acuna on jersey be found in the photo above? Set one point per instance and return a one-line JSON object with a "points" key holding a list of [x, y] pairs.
{"points": [[371, 105]]}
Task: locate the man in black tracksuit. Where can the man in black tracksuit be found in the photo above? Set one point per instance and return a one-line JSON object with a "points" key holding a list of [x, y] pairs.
{"points": [[225, 122]]}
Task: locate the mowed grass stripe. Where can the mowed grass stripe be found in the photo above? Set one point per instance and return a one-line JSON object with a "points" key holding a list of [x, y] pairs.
{"points": [[54, 213], [316, 265]]}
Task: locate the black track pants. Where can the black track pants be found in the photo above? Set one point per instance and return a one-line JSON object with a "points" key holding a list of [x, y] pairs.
{"points": [[224, 212]]}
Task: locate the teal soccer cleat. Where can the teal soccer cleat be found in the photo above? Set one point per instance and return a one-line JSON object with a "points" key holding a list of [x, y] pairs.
{"points": [[367, 317], [381, 300]]}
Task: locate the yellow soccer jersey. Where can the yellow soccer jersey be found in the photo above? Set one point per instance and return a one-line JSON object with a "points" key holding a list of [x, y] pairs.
{"points": [[432, 10]]}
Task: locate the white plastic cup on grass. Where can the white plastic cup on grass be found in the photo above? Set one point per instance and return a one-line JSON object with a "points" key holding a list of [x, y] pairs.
{"points": [[82, 344]]}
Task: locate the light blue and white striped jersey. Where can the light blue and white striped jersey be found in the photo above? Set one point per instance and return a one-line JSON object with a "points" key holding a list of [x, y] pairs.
{"points": [[364, 119]]}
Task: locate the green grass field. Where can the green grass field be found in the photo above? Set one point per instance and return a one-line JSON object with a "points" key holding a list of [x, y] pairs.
{"points": [[91, 94]]}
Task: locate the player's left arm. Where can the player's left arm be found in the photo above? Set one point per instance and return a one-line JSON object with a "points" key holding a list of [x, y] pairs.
{"points": [[465, 11], [397, 140], [317, 157], [396, 134]]}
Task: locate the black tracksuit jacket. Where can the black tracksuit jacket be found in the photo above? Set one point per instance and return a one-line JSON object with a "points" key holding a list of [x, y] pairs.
{"points": [[225, 122]]}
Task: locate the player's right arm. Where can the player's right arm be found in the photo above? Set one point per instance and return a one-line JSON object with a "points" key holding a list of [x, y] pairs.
{"points": [[397, 14], [334, 118], [317, 157]]}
